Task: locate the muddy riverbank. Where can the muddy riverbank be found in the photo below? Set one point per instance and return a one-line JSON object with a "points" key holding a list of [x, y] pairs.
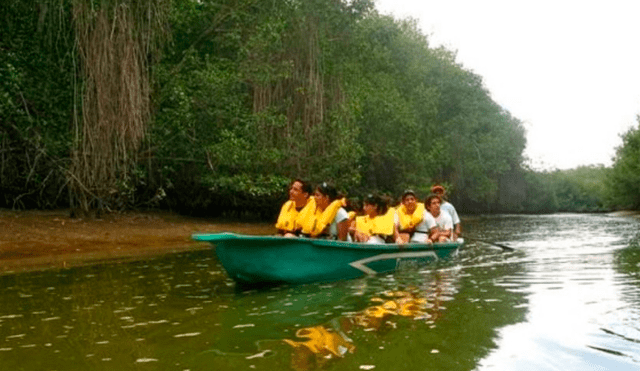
{"points": [[36, 240]]}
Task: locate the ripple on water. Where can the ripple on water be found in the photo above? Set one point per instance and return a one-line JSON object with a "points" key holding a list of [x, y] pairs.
{"points": [[567, 297]]}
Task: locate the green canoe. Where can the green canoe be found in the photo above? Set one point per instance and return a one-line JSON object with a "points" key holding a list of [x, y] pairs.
{"points": [[275, 260]]}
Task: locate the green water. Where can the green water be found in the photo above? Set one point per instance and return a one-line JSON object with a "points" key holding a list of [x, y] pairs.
{"points": [[568, 298]]}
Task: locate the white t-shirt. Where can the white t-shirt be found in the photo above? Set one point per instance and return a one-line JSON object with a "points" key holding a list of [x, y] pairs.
{"points": [[375, 240], [422, 229], [341, 215], [446, 206], [444, 221]]}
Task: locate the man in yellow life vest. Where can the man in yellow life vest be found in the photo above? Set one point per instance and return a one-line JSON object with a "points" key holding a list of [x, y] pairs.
{"points": [[294, 211], [379, 224], [410, 215]]}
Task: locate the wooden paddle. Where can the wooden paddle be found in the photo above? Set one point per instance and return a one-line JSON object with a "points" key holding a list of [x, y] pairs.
{"points": [[503, 247]]}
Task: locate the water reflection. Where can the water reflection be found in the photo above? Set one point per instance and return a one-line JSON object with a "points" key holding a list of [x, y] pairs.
{"points": [[620, 334], [575, 298], [324, 342], [568, 298]]}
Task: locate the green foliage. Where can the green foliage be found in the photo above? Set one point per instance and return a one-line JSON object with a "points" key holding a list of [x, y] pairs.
{"points": [[540, 197], [36, 103], [582, 189], [251, 93], [623, 181]]}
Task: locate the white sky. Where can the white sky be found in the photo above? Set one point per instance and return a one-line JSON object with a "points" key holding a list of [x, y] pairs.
{"points": [[570, 69]]}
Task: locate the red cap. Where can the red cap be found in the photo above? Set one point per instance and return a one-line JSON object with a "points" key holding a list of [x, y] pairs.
{"points": [[437, 189]]}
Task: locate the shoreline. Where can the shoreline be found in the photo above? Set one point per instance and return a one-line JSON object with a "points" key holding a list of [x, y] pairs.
{"points": [[36, 240], [41, 240]]}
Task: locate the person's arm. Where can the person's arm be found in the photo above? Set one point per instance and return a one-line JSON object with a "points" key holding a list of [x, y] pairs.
{"points": [[445, 233], [457, 231], [352, 229], [343, 230], [432, 227], [448, 229], [396, 235], [434, 234], [396, 229]]}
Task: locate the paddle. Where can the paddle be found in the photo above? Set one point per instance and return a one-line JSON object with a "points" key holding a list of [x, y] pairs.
{"points": [[503, 247]]}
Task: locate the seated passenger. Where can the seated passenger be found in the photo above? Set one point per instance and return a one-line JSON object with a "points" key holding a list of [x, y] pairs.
{"points": [[330, 219], [410, 215], [294, 211], [378, 225], [443, 219], [354, 208], [448, 207]]}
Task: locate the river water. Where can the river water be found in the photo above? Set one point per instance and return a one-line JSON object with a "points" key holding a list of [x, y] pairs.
{"points": [[567, 298]]}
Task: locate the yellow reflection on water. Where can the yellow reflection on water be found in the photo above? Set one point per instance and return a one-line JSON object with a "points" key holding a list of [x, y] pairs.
{"points": [[402, 303], [324, 343]]}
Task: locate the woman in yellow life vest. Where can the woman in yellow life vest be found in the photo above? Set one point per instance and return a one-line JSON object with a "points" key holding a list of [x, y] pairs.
{"points": [[378, 225], [330, 219], [410, 215], [294, 211]]}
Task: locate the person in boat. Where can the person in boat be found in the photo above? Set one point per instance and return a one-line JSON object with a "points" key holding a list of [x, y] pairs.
{"points": [[444, 224], [410, 215], [426, 231], [298, 208], [378, 225], [448, 207], [354, 209], [330, 219]]}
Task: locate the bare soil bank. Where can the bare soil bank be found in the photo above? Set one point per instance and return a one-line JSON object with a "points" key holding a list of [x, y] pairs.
{"points": [[36, 240]]}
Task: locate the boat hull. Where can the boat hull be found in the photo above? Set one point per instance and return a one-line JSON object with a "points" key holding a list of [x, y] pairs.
{"points": [[275, 260]]}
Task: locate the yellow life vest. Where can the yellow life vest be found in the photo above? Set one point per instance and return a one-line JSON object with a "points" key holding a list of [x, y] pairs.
{"points": [[364, 224], [307, 212], [384, 224], [315, 223], [290, 220], [410, 221], [287, 218]]}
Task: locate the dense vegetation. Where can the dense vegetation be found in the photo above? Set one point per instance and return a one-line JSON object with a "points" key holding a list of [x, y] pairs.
{"points": [[624, 178], [212, 107]]}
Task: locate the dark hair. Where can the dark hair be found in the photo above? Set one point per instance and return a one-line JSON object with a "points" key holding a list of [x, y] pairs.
{"points": [[328, 190], [354, 204], [408, 192], [381, 203], [431, 197], [306, 187]]}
